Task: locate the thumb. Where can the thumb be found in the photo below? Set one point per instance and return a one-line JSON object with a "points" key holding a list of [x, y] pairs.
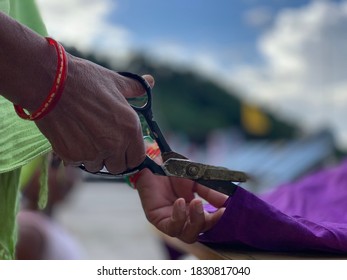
{"points": [[149, 79], [133, 88]]}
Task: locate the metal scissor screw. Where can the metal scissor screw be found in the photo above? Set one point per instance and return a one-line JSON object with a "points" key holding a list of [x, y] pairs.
{"points": [[192, 170]]}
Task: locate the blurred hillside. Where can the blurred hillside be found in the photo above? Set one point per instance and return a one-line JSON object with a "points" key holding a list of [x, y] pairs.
{"points": [[195, 106]]}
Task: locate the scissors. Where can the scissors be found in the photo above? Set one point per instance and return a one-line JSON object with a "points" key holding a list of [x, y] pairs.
{"points": [[175, 165]]}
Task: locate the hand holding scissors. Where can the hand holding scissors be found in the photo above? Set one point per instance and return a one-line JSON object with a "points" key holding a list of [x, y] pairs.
{"points": [[174, 164]]}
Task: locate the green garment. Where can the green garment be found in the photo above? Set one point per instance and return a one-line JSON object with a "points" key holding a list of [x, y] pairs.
{"points": [[9, 200], [20, 141]]}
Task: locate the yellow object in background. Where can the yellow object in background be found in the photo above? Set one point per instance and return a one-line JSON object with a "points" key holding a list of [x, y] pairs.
{"points": [[254, 121]]}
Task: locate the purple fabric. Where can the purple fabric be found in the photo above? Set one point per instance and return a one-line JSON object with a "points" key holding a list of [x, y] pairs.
{"points": [[310, 214]]}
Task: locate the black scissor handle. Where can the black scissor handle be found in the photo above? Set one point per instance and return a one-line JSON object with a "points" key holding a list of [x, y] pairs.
{"points": [[148, 105], [146, 111], [147, 163]]}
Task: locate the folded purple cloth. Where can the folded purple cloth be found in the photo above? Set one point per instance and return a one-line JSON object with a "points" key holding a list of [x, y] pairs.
{"points": [[310, 214]]}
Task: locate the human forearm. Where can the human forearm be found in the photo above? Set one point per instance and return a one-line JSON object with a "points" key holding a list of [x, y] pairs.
{"points": [[27, 64], [92, 123]]}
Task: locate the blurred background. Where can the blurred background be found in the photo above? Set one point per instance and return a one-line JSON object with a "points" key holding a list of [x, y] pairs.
{"points": [[257, 86]]}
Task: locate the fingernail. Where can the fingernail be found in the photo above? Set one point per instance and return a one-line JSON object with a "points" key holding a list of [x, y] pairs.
{"points": [[199, 208], [182, 204]]}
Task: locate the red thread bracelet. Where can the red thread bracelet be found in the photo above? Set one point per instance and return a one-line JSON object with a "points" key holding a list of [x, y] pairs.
{"points": [[133, 179], [56, 90], [152, 151]]}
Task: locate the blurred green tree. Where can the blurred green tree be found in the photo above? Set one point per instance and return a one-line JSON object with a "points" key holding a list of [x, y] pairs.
{"points": [[188, 103]]}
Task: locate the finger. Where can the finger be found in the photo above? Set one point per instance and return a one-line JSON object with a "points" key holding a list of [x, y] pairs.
{"points": [[130, 143], [150, 80], [196, 222], [130, 87], [72, 163], [115, 165], [213, 197], [178, 218], [135, 153], [212, 219], [93, 166]]}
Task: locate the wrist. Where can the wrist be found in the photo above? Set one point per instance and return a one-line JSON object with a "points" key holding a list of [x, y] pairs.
{"points": [[56, 90], [37, 79], [152, 151], [27, 66]]}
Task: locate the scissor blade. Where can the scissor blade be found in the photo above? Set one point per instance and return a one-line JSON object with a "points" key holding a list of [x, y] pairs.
{"points": [[193, 170], [225, 187]]}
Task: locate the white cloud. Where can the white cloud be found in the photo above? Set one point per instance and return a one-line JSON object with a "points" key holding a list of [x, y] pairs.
{"points": [[305, 71], [179, 55], [83, 24]]}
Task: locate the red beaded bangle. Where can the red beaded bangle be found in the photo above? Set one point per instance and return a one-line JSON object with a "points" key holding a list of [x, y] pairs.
{"points": [[56, 90]]}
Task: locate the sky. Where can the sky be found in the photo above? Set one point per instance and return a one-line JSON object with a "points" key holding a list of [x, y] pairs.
{"points": [[287, 55]]}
